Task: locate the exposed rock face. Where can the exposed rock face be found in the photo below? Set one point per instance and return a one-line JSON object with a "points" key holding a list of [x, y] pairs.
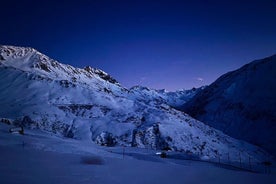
{"points": [[151, 138], [105, 139]]}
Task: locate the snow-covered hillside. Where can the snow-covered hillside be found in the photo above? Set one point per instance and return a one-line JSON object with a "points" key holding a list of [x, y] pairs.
{"points": [[241, 103], [88, 104]]}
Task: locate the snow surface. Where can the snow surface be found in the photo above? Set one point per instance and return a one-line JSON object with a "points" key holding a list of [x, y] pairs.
{"points": [[42, 157], [38, 92]]}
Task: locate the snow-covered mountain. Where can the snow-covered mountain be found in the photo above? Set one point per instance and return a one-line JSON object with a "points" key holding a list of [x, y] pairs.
{"points": [[88, 104], [241, 103], [174, 99]]}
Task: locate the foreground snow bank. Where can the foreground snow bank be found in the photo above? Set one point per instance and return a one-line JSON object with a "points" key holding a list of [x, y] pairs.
{"points": [[39, 157]]}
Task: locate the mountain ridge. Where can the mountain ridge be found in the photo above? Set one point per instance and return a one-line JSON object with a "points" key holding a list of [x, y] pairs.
{"points": [[241, 103]]}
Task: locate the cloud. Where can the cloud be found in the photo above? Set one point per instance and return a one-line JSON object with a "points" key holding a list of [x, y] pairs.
{"points": [[200, 79]]}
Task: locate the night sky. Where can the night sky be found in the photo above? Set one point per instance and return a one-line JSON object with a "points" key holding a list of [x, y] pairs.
{"points": [[159, 44]]}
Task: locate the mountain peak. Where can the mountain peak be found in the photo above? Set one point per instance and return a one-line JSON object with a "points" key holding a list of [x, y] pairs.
{"points": [[20, 55], [101, 74], [23, 58], [30, 60], [15, 51]]}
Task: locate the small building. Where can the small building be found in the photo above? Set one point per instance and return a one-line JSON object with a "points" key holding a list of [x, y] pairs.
{"points": [[17, 130]]}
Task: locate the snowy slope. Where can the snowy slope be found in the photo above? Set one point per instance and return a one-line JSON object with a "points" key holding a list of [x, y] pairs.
{"points": [[241, 103], [89, 105], [39, 157]]}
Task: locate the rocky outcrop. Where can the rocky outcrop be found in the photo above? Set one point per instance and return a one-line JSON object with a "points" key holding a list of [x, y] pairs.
{"points": [[105, 139]]}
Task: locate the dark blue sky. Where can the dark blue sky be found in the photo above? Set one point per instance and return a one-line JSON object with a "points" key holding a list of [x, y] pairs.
{"points": [[159, 44]]}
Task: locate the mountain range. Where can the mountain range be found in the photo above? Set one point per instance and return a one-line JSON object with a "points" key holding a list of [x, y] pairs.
{"points": [[88, 104]]}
